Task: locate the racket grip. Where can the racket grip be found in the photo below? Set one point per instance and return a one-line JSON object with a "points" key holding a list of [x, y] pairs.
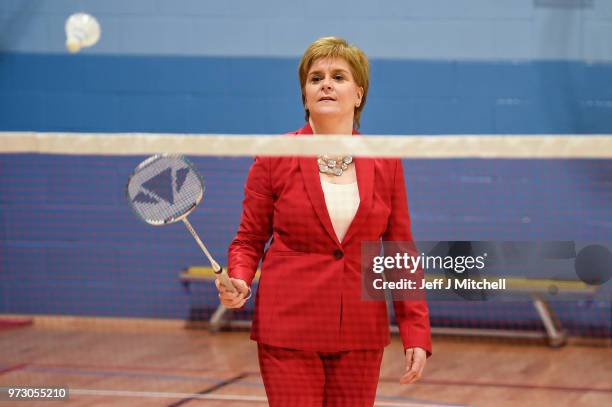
{"points": [[225, 280]]}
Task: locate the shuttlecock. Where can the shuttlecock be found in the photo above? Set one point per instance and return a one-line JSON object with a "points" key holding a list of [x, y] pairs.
{"points": [[82, 30]]}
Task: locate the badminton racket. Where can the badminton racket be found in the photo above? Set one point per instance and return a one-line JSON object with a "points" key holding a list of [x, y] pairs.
{"points": [[165, 189]]}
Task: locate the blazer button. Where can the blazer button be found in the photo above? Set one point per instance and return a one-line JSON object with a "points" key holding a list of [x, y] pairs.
{"points": [[338, 254]]}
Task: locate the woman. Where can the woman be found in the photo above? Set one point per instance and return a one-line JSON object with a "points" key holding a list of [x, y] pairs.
{"points": [[319, 343]]}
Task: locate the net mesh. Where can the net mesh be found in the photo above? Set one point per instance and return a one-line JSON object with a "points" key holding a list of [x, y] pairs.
{"points": [[70, 246]]}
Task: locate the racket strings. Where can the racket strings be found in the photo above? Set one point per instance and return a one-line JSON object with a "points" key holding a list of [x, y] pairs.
{"points": [[165, 189]]}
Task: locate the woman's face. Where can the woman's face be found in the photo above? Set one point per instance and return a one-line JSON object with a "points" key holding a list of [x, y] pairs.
{"points": [[330, 89]]}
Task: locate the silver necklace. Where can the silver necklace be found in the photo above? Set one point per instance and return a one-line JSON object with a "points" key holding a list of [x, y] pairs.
{"points": [[335, 166]]}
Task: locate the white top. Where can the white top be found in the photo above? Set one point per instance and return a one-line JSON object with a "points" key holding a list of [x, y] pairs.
{"points": [[342, 201]]}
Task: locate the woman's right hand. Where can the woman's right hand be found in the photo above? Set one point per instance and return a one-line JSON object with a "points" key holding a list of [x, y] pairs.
{"points": [[237, 298]]}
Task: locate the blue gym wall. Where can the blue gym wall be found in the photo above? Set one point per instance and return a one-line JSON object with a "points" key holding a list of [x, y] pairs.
{"points": [[438, 67]]}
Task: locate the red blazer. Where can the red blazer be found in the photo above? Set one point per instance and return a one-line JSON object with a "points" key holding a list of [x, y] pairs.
{"points": [[309, 293]]}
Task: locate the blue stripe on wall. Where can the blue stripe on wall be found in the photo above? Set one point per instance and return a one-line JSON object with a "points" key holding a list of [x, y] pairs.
{"points": [[261, 95]]}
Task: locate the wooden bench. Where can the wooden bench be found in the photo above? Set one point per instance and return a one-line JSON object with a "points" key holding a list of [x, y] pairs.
{"points": [[537, 289]]}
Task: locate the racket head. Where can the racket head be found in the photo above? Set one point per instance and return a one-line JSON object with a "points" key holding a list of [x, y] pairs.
{"points": [[164, 189]]}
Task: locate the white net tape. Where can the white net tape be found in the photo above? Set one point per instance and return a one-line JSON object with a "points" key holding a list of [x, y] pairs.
{"points": [[443, 146]]}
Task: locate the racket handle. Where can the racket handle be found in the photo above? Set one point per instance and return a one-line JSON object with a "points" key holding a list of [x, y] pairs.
{"points": [[221, 274], [224, 279]]}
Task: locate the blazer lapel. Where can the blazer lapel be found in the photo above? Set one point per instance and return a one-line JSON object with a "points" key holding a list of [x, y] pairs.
{"points": [[365, 181], [312, 181]]}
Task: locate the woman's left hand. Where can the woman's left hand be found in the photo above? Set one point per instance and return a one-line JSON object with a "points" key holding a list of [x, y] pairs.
{"points": [[415, 363]]}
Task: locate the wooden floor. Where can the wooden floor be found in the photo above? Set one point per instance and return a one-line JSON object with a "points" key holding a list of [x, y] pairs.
{"points": [[162, 364]]}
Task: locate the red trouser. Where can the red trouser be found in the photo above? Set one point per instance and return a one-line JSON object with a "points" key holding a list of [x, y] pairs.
{"points": [[307, 379]]}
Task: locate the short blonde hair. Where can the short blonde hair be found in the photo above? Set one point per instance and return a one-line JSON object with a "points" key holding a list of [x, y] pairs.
{"points": [[335, 47]]}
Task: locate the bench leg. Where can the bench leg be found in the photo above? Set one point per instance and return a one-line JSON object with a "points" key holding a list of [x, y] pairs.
{"points": [[557, 337], [217, 318]]}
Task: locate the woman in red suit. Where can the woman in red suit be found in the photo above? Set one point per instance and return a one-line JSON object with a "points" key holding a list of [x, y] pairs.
{"points": [[319, 342]]}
